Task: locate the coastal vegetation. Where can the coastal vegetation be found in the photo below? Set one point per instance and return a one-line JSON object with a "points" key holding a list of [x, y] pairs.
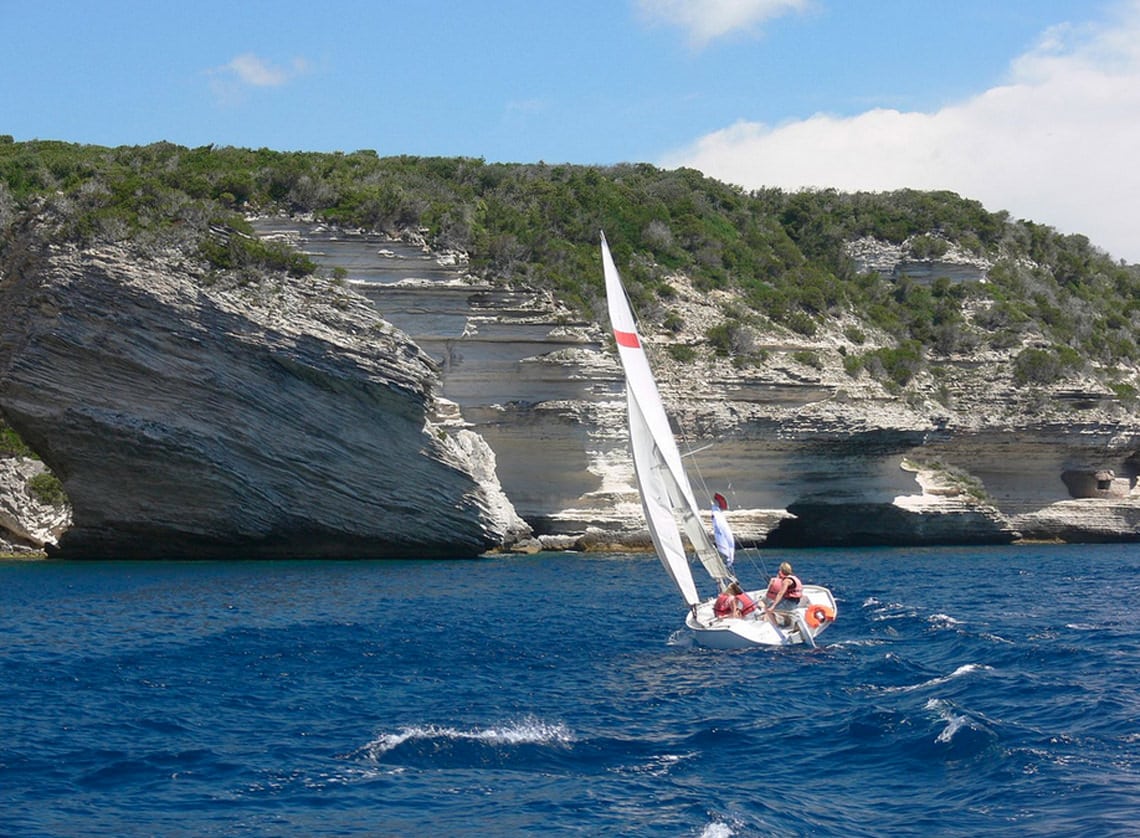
{"points": [[11, 445], [46, 488], [783, 253]]}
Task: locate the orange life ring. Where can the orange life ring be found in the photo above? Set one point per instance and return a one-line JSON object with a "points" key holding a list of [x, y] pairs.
{"points": [[817, 615]]}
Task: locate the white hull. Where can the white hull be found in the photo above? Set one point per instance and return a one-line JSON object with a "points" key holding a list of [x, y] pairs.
{"points": [[755, 630]]}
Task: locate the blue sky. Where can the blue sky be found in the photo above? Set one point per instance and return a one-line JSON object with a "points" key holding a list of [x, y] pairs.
{"points": [[1032, 106]]}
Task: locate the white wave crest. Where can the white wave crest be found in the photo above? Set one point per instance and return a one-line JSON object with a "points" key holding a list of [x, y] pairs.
{"points": [[953, 724], [995, 638], [965, 669], [943, 620], [883, 611], [954, 721], [717, 829], [867, 641], [526, 731]]}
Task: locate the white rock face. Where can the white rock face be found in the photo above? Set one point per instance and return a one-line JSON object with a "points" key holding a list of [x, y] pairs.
{"points": [[192, 415], [786, 431], [804, 451], [26, 524], [896, 260]]}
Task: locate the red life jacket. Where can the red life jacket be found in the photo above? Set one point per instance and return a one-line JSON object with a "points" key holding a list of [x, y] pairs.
{"points": [[747, 606], [723, 605], [794, 592]]}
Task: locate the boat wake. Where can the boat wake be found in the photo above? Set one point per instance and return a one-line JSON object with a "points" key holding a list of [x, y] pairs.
{"points": [[683, 638]]}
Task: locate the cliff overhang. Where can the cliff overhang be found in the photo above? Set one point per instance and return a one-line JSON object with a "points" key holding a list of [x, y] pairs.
{"points": [[194, 413]]}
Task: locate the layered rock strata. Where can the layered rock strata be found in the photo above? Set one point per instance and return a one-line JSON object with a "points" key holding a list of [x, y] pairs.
{"points": [[275, 417], [806, 453], [191, 414]]}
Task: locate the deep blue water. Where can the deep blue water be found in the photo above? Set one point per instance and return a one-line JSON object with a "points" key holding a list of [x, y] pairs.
{"points": [[961, 692]]}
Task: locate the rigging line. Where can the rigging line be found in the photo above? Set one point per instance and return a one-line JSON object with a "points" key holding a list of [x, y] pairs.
{"points": [[752, 556]]}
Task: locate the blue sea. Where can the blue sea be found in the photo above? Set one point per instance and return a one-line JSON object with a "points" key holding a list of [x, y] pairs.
{"points": [[961, 692]]}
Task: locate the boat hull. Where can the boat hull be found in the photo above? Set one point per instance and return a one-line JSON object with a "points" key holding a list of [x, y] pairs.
{"points": [[801, 626]]}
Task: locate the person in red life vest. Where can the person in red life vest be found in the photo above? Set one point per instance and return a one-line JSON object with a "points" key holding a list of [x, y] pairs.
{"points": [[726, 606], [784, 592], [733, 602]]}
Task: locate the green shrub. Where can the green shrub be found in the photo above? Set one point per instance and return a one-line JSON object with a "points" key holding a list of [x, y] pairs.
{"points": [[809, 358], [682, 352], [46, 488], [1045, 366], [801, 323], [673, 322], [726, 338], [928, 247], [11, 445], [230, 247], [1125, 392], [897, 365]]}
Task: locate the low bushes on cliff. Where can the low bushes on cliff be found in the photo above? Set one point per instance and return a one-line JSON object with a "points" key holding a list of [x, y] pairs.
{"points": [[1046, 366], [10, 443], [46, 488], [784, 253]]}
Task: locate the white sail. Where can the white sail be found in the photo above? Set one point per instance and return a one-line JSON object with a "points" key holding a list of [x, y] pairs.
{"points": [[666, 494]]}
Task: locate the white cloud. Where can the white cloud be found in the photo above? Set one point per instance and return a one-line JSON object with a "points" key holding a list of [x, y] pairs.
{"points": [[256, 72], [1057, 144], [707, 20], [230, 81]]}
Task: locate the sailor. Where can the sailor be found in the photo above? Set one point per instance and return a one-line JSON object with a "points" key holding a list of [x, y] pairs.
{"points": [[784, 592], [733, 602], [726, 605]]}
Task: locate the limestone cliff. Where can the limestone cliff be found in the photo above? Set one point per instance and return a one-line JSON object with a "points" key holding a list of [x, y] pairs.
{"points": [[203, 414], [806, 452], [226, 415]]}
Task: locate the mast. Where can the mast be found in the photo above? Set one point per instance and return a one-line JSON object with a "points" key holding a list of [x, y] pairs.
{"points": [[666, 494]]}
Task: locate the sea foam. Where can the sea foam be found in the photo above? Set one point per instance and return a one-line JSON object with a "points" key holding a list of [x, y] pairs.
{"points": [[529, 730]]}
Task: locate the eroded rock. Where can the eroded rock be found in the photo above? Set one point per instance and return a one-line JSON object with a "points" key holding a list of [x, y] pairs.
{"points": [[27, 523], [192, 414], [781, 432]]}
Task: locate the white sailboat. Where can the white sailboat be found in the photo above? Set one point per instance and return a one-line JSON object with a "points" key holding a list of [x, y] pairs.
{"points": [[670, 507]]}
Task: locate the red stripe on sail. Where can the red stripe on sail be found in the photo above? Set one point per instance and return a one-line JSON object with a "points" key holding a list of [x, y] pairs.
{"points": [[627, 339]]}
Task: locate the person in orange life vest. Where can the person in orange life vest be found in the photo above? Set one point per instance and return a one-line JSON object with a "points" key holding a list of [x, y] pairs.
{"points": [[784, 592], [733, 602]]}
